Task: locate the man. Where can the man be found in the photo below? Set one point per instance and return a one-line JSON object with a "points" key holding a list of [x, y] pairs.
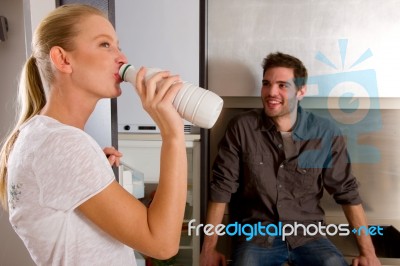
{"points": [[272, 167]]}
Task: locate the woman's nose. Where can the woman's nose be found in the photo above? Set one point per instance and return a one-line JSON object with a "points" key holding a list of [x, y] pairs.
{"points": [[122, 58]]}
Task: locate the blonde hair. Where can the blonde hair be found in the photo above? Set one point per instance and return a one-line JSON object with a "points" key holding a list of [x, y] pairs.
{"points": [[58, 29]]}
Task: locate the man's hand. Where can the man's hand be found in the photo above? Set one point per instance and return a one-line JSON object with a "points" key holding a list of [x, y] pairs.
{"points": [[366, 261], [212, 258], [113, 155], [356, 217]]}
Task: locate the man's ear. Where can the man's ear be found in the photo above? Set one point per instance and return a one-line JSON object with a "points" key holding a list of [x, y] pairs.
{"points": [[59, 59], [301, 92]]}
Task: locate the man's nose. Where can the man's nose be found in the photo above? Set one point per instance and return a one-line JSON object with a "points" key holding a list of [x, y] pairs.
{"points": [[273, 90]]}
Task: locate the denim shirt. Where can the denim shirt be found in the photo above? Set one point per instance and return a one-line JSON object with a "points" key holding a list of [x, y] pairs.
{"points": [[252, 173]]}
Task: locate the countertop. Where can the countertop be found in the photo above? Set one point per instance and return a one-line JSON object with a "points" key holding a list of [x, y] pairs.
{"points": [[131, 136], [348, 245]]}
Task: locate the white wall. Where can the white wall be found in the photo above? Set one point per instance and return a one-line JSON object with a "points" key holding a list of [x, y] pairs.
{"points": [[241, 33], [12, 58]]}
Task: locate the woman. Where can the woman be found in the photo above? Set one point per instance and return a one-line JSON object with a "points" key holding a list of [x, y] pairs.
{"points": [[63, 200]]}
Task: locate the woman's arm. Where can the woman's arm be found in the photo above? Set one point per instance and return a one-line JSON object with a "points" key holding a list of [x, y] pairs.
{"points": [[154, 231]]}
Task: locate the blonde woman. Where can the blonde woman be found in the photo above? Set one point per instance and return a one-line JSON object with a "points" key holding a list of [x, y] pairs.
{"points": [[56, 182]]}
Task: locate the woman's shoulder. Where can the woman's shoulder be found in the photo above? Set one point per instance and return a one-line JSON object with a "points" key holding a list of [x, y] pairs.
{"points": [[48, 124], [44, 131]]}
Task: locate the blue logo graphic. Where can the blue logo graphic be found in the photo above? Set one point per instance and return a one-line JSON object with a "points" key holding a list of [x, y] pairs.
{"points": [[371, 230], [280, 229], [350, 100]]}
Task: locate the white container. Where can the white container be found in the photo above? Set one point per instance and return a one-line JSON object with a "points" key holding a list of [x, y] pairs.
{"points": [[196, 105], [131, 180], [140, 261]]}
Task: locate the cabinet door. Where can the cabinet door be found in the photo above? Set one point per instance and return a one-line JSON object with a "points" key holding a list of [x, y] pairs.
{"points": [[144, 155], [189, 249], [156, 33]]}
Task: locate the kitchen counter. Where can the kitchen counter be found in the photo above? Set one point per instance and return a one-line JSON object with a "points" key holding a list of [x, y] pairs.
{"points": [[130, 136], [348, 246]]}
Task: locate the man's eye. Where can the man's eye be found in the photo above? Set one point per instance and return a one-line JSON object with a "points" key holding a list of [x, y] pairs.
{"points": [[284, 85], [105, 44]]}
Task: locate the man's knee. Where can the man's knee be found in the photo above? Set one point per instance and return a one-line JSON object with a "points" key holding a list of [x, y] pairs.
{"points": [[334, 260]]}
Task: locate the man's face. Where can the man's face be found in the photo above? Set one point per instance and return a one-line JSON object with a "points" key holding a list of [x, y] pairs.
{"points": [[279, 93]]}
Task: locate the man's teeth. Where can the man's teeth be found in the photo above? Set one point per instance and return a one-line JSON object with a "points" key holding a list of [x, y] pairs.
{"points": [[273, 101]]}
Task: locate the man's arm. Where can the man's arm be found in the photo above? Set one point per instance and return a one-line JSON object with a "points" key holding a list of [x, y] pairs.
{"points": [[356, 217], [209, 255]]}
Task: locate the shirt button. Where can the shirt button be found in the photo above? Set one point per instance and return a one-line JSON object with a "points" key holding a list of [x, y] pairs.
{"points": [[282, 165], [279, 186], [280, 146]]}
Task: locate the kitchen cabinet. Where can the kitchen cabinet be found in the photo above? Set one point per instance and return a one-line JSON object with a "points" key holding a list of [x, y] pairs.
{"points": [[341, 43], [142, 152]]}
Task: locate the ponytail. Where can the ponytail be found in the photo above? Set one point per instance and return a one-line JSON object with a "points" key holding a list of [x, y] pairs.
{"points": [[32, 97], [31, 100]]}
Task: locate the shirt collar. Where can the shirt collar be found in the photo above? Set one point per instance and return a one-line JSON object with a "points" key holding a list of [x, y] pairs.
{"points": [[300, 128], [266, 123]]}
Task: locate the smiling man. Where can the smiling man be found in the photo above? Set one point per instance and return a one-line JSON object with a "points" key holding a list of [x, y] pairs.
{"points": [[272, 167]]}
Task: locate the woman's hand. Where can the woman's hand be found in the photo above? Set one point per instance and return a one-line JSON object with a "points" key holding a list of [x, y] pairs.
{"points": [[157, 94], [113, 155]]}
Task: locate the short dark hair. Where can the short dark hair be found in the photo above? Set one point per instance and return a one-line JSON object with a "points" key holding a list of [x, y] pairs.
{"points": [[279, 59]]}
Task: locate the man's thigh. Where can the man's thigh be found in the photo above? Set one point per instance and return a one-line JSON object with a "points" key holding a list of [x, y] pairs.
{"points": [[249, 254], [319, 252]]}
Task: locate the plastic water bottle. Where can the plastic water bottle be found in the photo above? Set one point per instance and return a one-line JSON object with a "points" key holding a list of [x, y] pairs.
{"points": [[196, 105]]}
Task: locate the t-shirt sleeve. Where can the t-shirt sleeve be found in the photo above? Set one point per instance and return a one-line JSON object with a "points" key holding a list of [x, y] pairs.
{"points": [[70, 168]]}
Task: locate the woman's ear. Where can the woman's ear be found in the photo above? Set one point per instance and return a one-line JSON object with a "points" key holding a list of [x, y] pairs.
{"points": [[59, 59], [301, 92]]}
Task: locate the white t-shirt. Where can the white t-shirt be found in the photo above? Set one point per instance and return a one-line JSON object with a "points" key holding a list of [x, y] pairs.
{"points": [[52, 169], [288, 144]]}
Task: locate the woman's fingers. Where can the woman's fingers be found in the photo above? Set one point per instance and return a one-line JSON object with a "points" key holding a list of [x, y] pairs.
{"points": [[157, 88], [147, 86], [157, 94], [113, 155], [167, 88]]}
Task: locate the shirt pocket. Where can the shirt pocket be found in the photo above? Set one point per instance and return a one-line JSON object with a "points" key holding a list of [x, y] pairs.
{"points": [[255, 172], [307, 176], [302, 181]]}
